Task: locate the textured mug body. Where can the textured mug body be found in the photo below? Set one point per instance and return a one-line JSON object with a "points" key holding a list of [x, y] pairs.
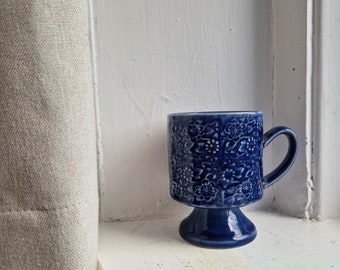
{"points": [[215, 158]]}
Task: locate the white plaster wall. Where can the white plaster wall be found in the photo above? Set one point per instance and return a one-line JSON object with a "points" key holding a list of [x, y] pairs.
{"points": [[156, 57], [290, 80]]}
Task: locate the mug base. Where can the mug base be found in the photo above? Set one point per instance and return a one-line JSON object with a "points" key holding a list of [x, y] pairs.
{"points": [[217, 228]]}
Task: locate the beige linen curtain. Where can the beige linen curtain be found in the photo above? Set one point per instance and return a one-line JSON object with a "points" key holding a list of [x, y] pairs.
{"points": [[48, 177]]}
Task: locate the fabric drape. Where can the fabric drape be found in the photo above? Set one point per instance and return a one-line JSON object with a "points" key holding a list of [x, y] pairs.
{"points": [[48, 174]]}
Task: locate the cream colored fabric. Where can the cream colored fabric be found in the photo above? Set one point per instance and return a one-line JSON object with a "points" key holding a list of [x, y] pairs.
{"points": [[48, 176]]}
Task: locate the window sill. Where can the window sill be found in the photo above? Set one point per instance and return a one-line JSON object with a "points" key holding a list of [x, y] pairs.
{"points": [[281, 243]]}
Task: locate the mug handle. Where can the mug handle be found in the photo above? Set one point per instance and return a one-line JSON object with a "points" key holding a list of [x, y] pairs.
{"points": [[290, 157]]}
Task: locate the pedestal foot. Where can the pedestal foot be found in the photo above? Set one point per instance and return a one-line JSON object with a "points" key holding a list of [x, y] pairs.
{"points": [[217, 228]]}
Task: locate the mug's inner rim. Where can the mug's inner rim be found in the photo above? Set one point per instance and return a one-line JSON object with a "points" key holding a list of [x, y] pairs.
{"points": [[214, 113]]}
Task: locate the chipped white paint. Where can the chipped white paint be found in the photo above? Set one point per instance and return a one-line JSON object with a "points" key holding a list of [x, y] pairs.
{"points": [[100, 163], [156, 57], [311, 209]]}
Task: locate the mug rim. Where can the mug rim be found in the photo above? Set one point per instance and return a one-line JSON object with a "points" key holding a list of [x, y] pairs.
{"points": [[214, 113]]}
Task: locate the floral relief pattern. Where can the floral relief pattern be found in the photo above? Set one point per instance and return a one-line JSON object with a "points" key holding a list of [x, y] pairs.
{"points": [[205, 191], [217, 161]]}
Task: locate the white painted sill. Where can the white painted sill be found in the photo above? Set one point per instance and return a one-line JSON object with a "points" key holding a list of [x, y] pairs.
{"points": [[282, 243]]}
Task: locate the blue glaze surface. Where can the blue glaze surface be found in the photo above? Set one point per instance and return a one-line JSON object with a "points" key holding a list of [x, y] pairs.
{"points": [[215, 165], [217, 228], [216, 159]]}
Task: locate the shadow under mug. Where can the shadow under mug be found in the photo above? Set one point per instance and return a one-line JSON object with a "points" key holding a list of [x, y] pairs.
{"points": [[215, 165]]}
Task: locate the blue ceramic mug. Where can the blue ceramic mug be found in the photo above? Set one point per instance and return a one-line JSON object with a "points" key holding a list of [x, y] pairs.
{"points": [[215, 165]]}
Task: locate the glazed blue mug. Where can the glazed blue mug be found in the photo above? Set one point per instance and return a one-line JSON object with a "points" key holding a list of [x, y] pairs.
{"points": [[215, 166]]}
